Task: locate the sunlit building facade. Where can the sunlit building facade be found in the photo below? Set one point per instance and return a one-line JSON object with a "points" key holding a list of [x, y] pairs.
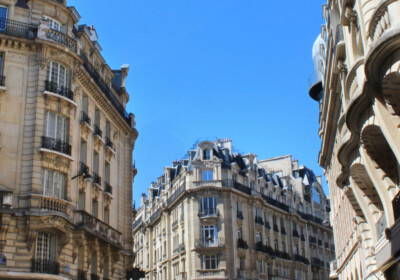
{"points": [[221, 215], [359, 128], [66, 146]]}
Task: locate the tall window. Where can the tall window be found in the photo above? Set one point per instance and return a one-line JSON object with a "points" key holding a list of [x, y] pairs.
{"points": [[209, 262], [108, 129], [97, 117], [209, 235], [96, 162], [81, 200], [83, 155], [258, 237], [3, 17], [54, 183], [207, 175], [59, 75], [1, 58], [45, 251], [107, 172], [95, 208], [85, 103], [106, 215], [208, 206], [57, 126], [316, 196]]}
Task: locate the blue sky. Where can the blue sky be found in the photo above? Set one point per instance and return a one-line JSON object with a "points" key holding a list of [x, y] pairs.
{"points": [[236, 69]]}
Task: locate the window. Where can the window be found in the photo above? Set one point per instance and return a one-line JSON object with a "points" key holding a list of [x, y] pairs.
{"points": [[207, 154], [208, 206], [175, 268], [1, 61], [209, 235], [96, 162], [54, 183], [85, 104], [95, 208], [240, 233], [54, 24], [316, 197], [207, 175], [242, 263], [45, 251], [81, 200], [56, 127], [107, 172], [97, 117], [59, 75], [108, 129], [258, 237], [83, 155], [107, 215], [209, 262], [3, 17]]}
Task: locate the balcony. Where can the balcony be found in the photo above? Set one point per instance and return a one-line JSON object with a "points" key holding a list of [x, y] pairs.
{"points": [[52, 88], [18, 29], [210, 243], [282, 255], [45, 266], [105, 88], [242, 244], [312, 240], [276, 203], [264, 248], [97, 228], [176, 195], [259, 220], [301, 259], [317, 262], [211, 274], [61, 38], [96, 179], [109, 143], [242, 188], [56, 145], [108, 188], [209, 213], [85, 118], [48, 203], [97, 131]]}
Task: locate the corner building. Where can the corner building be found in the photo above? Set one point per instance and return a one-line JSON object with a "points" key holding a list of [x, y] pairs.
{"points": [[221, 215], [66, 146], [359, 128]]}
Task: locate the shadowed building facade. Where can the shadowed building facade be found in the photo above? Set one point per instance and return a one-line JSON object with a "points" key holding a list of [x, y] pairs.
{"points": [[221, 215], [66, 146], [358, 96]]}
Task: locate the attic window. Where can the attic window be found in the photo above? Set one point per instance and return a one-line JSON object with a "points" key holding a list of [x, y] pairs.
{"points": [[207, 153]]}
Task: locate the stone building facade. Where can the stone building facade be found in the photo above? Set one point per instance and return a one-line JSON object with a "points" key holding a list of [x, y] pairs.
{"points": [[66, 146], [359, 128], [221, 215]]}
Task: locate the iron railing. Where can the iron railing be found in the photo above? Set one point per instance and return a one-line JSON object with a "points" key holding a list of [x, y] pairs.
{"points": [[56, 145], [45, 266], [85, 118], [96, 178], [62, 38], [242, 244], [212, 243], [105, 88], [108, 188], [109, 143], [98, 131], [300, 258], [2, 81], [81, 275], [18, 29], [275, 203], [62, 91], [211, 212]]}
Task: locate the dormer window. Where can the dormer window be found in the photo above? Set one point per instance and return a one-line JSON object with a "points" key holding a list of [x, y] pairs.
{"points": [[207, 154]]}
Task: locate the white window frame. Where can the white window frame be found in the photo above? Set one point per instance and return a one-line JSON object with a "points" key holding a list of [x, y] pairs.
{"points": [[209, 262], [207, 175], [59, 74], [209, 235], [45, 246], [56, 126], [208, 206]]}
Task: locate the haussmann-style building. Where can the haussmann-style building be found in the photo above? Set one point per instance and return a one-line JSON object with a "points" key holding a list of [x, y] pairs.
{"points": [[66, 146], [357, 59], [220, 215]]}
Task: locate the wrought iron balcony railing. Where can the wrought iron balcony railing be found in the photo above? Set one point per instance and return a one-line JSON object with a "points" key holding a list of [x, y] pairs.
{"points": [[108, 188], [85, 118], [62, 39], [56, 145], [97, 131], [62, 91], [242, 244], [211, 243], [95, 226], [18, 29], [109, 143], [96, 179], [212, 212], [45, 266]]}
